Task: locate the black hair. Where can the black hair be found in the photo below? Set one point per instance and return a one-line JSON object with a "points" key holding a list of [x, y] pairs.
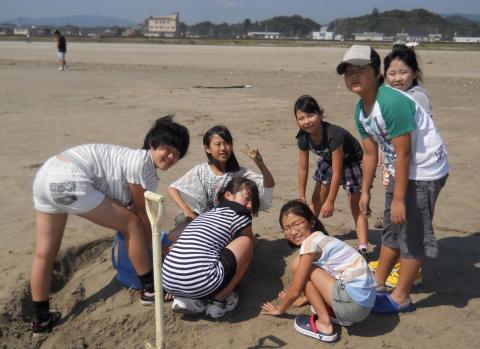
{"points": [[309, 105], [299, 208], [232, 163], [168, 133], [407, 56], [56, 32], [236, 185], [375, 63]]}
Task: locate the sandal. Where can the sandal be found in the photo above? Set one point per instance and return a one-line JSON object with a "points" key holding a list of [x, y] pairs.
{"points": [[385, 304], [306, 325]]}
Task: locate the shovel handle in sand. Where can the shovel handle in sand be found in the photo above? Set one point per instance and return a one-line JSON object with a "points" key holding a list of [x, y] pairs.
{"points": [[150, 200]]}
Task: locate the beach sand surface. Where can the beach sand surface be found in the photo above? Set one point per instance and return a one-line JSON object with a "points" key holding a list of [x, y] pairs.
{"points": [[112, 93]]}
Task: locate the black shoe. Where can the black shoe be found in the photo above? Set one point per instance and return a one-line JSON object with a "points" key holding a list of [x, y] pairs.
{"points": [[147, 298], [39, 327], [365, 254]]}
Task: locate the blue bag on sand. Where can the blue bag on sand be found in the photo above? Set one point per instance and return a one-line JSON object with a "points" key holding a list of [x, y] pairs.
{"points": [[126, 273]]}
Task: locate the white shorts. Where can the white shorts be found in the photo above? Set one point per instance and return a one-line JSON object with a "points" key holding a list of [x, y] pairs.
{"points": [[61, 56], [63, 187]]}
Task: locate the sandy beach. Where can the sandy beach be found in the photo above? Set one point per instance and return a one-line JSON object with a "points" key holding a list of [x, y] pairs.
{"points": [[111, 94]]}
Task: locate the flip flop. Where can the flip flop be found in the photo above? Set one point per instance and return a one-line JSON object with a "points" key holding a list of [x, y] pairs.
{"points": [[306, 325], [385, 304], [168, 297]]}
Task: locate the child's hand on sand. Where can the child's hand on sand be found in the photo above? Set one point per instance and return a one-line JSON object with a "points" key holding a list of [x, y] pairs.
{"points": [[270, 309]]}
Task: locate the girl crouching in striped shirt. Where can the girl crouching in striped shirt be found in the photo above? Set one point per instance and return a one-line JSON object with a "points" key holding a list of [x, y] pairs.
{"points": [[334, 277], [213, 253]]}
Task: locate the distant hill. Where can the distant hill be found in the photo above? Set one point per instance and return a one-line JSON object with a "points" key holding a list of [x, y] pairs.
{"points": [[289, 26], [417, 22], [77, 21], [472, 17]]}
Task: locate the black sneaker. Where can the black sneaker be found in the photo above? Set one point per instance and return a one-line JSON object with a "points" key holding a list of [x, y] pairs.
{"points": [[41, 327], [365, 254], [147, 298]]}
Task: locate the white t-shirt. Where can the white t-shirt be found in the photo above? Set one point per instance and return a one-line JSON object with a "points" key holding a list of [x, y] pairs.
{"points": [[199, 187], [420, 95], [396, 113], [112, 167], [343, 263]]}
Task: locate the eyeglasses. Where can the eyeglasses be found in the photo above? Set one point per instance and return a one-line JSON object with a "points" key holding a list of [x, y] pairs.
{"points": [[287, 229]]}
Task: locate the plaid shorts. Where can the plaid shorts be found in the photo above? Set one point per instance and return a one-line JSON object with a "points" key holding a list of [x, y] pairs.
{"points": [[351, 178]]}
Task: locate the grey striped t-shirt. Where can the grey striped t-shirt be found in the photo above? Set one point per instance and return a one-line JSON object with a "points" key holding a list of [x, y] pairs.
{"points": [[112, 167]]}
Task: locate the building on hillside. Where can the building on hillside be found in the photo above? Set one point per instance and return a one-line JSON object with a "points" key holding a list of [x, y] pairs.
{"points": [[20, 31], [401, 37], [263, 35], [417, 38], [368, 36], [162, 26], [434, 37], [323, 34], [466, 39]]}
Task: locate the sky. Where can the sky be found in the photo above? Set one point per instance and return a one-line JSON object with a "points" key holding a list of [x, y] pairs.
{"points": [[230, 11]]}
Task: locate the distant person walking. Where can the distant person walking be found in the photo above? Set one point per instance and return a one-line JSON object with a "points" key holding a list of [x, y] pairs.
{"points": [[28, 38], [62, 49]]}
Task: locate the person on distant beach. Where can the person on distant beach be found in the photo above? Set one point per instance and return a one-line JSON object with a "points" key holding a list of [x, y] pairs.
{"points": [[333, 276], [213, 253], [28, 38], [98, 182], [402, 71], [339, 163], [62, 49], [416, 158], [196, 192]]}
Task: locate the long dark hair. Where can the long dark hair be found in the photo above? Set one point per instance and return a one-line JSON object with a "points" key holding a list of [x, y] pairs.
{"points": [[306, 104], [299, 208], [236, 185], [232, 163], [406, 55], [167, 132]]}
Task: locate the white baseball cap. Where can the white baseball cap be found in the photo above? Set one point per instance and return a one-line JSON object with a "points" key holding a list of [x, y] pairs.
{"points": [[360, 55]]}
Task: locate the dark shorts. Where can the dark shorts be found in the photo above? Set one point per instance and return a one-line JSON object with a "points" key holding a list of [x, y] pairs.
{"points": [[229, 263], [351, 178], [416, 238]]}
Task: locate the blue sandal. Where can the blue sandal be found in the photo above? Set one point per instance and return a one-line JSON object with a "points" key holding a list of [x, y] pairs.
{"points": [[306, 325], [385, 304]]}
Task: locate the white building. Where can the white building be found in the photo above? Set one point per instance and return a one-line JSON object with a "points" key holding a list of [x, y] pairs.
{"points": [[162, 26], [323, 34], [20, 31], [264, 35], [368, 36], [466, 39], [434, 37]]}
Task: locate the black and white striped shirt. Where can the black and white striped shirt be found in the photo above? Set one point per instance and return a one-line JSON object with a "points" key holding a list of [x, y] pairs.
{"points": [[192, 268]]}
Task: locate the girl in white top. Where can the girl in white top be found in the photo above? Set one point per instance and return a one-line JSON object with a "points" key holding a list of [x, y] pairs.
{"points": [[98, 182], [333, 276], [196, 192], [402, 72]]}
